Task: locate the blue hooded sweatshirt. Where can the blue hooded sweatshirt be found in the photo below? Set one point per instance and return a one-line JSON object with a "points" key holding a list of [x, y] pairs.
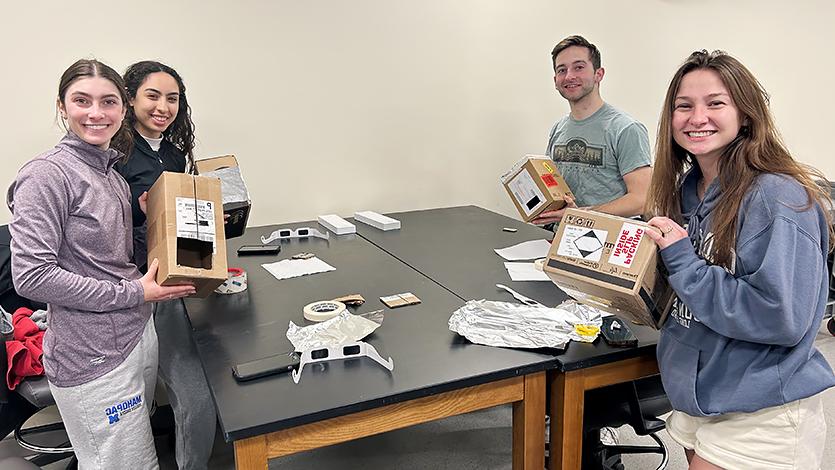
{"points": [[742, 339]]}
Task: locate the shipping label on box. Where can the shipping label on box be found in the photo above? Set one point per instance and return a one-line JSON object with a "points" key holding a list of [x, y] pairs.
{"points": [[610, 263], [196, 220], [534, 186], [524, 190]]}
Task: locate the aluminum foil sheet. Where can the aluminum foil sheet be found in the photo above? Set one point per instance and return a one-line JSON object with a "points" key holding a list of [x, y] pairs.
{"points": [[514, 325], [343, 328], [231, 184]]}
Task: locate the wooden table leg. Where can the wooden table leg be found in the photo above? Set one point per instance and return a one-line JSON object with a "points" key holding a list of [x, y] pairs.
{"points": [[567, 402], [251, 453], [529, 425]]}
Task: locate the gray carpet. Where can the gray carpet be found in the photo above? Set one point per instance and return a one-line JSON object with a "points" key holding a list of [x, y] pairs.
{"points": [[479, 440]]}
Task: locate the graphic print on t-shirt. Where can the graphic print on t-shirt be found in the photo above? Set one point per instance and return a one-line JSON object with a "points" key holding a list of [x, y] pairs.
{"points": [[577, 150]]}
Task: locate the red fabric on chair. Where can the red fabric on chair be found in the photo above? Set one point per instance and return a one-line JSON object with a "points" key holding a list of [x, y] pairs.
{"points": [[25, 351]]}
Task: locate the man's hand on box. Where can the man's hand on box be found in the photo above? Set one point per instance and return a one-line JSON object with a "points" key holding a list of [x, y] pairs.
{"points": [[548, 217], [155, 292], [668, 232]]}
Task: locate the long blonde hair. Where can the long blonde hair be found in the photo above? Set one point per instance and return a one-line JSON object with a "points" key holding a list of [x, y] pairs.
{"points": [[757, 149]]}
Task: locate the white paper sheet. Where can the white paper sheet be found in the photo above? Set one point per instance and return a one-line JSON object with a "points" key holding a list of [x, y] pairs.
{"points": [[525, 272], [288, 268], [531, 249]]}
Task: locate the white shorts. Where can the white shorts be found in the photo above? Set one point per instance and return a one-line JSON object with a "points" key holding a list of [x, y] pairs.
{"points": [[790, 436]]}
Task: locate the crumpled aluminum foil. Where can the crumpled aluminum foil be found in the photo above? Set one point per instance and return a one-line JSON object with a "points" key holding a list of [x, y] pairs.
{"points": [[343, 328], [514, 325], [231, 184]]}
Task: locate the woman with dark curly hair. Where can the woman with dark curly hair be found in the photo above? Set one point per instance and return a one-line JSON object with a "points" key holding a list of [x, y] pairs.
{"points": [[163, 133]]}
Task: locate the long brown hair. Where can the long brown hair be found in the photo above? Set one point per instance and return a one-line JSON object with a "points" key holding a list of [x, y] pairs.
{"points": [[757, 149], [86, 68]]}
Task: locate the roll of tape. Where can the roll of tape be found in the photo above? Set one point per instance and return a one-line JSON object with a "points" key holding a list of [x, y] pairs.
{"points": [[323, 310], [235, 282], [538, 264]]}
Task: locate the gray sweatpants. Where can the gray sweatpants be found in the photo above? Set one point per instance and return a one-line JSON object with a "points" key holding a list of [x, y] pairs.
{"points": [[107, 419], [180, 370]]}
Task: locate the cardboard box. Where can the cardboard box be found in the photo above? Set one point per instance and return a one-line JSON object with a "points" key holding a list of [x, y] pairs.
{"points": [[535, 185], [185, 231], [236, 202], [610, 263]]}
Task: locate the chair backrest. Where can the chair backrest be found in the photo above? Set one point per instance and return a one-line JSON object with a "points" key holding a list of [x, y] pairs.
{"points": [[9, 299], [8, 296], [647, 402]]}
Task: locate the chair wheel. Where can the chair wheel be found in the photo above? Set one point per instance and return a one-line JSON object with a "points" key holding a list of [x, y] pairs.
{"points": [[830, 325]]}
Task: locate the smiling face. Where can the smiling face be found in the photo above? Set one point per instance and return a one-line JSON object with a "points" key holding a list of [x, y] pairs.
{"points": [[156, 104], [93, 110], [705, 119], [574, 75]]}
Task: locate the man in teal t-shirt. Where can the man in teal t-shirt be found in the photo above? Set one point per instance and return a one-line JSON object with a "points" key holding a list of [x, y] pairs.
{"points": [[602, 153]]}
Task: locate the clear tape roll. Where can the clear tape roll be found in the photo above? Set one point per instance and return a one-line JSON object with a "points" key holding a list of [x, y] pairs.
{"points": [[235, 282], [323, 310]]}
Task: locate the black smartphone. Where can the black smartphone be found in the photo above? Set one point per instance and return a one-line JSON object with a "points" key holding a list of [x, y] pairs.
{"points": [[617, 333], [249, 250], [278, 364]]}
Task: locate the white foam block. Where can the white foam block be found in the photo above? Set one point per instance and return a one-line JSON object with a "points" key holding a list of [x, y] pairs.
{"points": [[337, 224], [379, 221]]}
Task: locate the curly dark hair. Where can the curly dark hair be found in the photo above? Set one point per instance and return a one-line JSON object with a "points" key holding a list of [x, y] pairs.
{"points": [[181, 132]]}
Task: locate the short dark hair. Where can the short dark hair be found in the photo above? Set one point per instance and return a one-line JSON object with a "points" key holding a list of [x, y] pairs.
{"points": [[576, 40]]}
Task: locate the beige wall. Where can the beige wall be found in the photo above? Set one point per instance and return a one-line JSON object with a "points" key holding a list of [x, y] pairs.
{"points": [[334, 106]]}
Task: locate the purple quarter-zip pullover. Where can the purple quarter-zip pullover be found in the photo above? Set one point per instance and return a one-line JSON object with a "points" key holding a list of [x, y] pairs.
{"points": [[71, 248]]}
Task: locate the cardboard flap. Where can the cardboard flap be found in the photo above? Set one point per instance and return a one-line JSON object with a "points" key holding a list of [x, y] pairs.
{"points": [[216, 163]]}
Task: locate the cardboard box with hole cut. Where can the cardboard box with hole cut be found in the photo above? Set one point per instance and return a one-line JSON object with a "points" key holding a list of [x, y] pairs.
{"points": [[535, 185], [236, 201], [185, 231]]}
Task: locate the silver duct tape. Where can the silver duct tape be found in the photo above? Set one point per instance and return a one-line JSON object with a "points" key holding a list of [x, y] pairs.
{"points": [[234, 283]]}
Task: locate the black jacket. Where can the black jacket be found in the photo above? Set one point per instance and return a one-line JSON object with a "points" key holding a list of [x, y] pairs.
{"points": [[141, 170], [144, 166]]}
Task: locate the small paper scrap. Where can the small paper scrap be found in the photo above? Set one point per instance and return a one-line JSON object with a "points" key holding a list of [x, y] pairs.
{"points": [[288, 268], [531, 249], [525, 272]]}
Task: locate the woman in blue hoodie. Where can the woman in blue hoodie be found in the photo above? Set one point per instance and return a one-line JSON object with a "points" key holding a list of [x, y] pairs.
{"points": [[737, 355]]}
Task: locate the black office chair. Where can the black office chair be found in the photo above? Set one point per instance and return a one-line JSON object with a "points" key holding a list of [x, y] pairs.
{"points": [[32, 395], [830, 304], [638, 404], [49, 441]]}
